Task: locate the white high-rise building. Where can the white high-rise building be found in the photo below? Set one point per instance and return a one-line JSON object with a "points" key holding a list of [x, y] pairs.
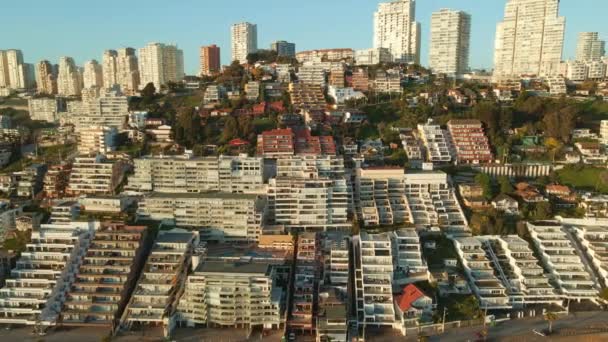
{"points": [[530, 39], [69, 78], [396, 29], [4, 78], [110, 72], [160, 64], [46, 80], [450, 40], [127, 70], [14, 73], [92, 75], [244, 41], [590, 48]]}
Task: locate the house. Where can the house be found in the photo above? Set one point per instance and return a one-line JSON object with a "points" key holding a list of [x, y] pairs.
{"points": [[591, 152], [563, 194], [472, 196], [506, 204], [529, 193], [413, 303]]}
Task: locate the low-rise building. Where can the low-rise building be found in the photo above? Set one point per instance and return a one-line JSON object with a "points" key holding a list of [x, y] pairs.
{"points": [[46, 109], [56, 180], [506, 204], [95, 175], [373, 56], [469, 142], [436, 143], [94, 140], [307, 96]]}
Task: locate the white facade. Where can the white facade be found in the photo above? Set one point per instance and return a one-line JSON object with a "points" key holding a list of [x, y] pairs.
{"points": [[92, 75], [244, 40], [373, 56], [341, 95], [108, 108], [14, 72], [110, 69], [589, 47], [94, 175], [530, 39], [408, 261], [69, 79], [127, 71], [44, 109], [396, 29], [436, 143], [46, 80], [160, 64], [96, 139], [450, 40]]}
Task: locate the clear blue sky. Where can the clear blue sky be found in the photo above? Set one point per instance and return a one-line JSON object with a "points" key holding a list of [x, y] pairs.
{"points": [[46, 29]]}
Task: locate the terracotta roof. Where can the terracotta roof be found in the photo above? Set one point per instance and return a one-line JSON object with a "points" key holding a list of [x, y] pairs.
{"points": [[409, 295]]}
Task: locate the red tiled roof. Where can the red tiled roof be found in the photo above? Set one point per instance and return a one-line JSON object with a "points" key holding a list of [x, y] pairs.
{"points": [[409, 295], [238, 142]]}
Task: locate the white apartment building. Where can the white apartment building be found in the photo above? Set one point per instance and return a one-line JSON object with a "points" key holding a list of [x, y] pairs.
{"points": [[373, 263], [341, 95], [436, 143], [335, 248], [388, 82], [450, 41], [310, 166], [110, 108], [252, 91], [590, 47], [592, 237], [313, 73], [557, 85], [109, 68], [95, 175], [92, 75], [229, 294], [161, 282], [373, 56], [569, 272], [185, 174], [46, 80], [97, 139], [219, 216], [530, 39], [244, 40], [14, 73], [396, 29], [214, 94], [604, 131], [160, 64], [409, 264], [37, 288], [127, 66], [45, 109], [69, 78]]}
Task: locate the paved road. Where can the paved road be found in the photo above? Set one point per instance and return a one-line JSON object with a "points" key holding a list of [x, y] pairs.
{"points": [[521, 330]]}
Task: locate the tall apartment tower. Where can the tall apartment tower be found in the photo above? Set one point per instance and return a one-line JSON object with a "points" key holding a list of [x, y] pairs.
{"points": [[14, 73], [160, 64], [46, 79], [590, 48], [450, 41], [92, 75], [396, 29], [210, 60], [244, 41], [110, 68], [127, 74], [68, 78], [284, 48], [530, 39]]}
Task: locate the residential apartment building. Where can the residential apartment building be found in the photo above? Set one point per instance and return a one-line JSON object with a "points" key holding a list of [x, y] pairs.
{"points": [[373, 56], [306, 280], [396, 29], [436, 143], [409, 265], [210, 62], [127, 71], [592, 237], [530, 39], [219, 216], [69, 78], [109, 63], [185, 174], [161, 282], [307, 96], [232, 294], [283, 48], [95, 175], [46, 79], [37, 288], [244, 40], [105, 108], [92, 75], [469, 142], [325, 55], [312, 73], [252, 91], [46, 109], [14, 73], [450, 41], [106, 277], [160, 64], [569, 272], [360, 80], [96, 139], [56, 180], [388, 82], [590, 47]]}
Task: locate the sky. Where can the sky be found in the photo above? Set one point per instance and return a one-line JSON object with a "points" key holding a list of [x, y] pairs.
{"points": [[45, 29]]}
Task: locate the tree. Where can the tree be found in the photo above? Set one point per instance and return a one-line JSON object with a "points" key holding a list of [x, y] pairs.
{"points": [[484, 180], [505, 185], [231, 129], [604, 294], [550, 317], [543, 211], [148, 91]]}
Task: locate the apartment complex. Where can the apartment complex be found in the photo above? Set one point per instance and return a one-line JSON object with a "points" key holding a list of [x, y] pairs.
{"points": [[92, 75], [325, 55], [46, 79], [56, 180], [306, 280], [45, 109], [120, 68], [106, 277], [283, 48], [307, 96], [95, 175], [219, 216], [469, 142], [209, 60], [185, 174], [450, 40], [244, 40], [154, 300], [37, 288], [409, 265], [69, 78], [96, 139], [99, 108], [530, 39], [160, 64], [396, 29], [590, 48], [388, 82], [281, 143], [436, 143], [14, 73]]}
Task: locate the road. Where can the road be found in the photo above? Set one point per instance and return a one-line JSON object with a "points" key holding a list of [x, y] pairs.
{"points": [[521, 330]]}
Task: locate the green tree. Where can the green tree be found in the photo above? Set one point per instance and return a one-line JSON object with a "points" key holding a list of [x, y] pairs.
{"points": [[148, 91], [231, 130], [484, 180], [550, 317], [505, 185], [604, 294], [543, 211]]}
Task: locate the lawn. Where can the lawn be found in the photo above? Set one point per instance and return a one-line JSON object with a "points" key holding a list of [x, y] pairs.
{"points": [[584, 177]]}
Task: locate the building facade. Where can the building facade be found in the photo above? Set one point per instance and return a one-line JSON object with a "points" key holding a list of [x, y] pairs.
{"points": [[450, 40], [244, 40], [396, 29], [160, 64], [210, 63]]}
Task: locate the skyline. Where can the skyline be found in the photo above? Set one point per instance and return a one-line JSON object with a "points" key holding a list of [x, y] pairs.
{"points": [[99, 30]]}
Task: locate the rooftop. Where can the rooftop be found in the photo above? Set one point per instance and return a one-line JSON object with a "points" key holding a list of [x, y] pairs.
{"points": [[230, 267]]}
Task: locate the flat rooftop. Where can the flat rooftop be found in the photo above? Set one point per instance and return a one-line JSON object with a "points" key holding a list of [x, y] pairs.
{"points": [[214, 194], [233, 267], [174, 238]]}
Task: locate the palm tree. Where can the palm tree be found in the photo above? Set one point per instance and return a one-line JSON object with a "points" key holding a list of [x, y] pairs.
{"points": [[550, 317]]}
